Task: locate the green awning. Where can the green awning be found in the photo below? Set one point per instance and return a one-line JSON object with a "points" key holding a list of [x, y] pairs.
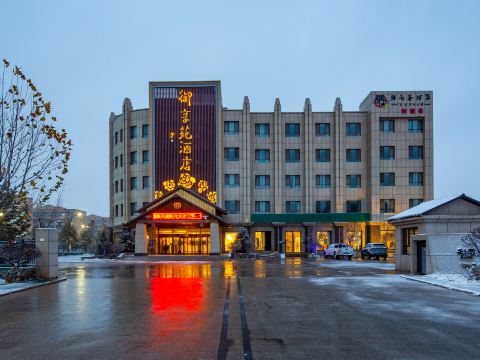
{"points": [[301, 218]]}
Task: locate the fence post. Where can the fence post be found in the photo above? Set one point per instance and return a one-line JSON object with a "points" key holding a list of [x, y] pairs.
{"points": [[46, 241]]}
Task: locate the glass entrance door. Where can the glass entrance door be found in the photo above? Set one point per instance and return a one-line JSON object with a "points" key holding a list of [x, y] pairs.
{"points": [[185, 244]]}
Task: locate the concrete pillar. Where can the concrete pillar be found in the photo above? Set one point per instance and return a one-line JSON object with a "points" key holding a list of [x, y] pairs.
{"points": [[278, 140], [46, 241], [214, 239], [141, 241]]}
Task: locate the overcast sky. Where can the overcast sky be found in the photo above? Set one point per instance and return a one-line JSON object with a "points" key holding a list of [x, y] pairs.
{"points": [[87, 56]]}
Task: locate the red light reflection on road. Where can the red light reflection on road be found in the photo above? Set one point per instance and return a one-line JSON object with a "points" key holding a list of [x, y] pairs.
{"points": [[177, 294]]}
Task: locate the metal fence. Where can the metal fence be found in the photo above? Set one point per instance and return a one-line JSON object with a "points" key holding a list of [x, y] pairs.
{"points": [[21, 253]]}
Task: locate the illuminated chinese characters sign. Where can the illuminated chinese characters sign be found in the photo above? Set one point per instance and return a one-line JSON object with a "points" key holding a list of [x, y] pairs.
{"points": [[177, 216], [405, 103], [185, 145]]}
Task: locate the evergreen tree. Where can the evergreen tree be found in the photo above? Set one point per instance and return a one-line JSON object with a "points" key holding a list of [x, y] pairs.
{"points": [[68, 237]]}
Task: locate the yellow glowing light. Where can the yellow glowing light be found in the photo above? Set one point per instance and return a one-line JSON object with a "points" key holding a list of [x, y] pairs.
{"points": [[185, 97], [171, 135], [212, 196], [185, 149], [79, 214], [202, 186], [186, 164], [185, 116], [158, 194], [1, 214], [169, 185], [186, 180]]}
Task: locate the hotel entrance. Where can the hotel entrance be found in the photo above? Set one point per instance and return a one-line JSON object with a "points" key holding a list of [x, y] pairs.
{"points": [[180, 242]]}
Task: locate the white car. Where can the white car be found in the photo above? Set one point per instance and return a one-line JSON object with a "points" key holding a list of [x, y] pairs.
{"points": [[337, 250]]}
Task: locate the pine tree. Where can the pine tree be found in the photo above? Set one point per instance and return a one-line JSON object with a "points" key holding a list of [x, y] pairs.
{"points": [[68, 237]]}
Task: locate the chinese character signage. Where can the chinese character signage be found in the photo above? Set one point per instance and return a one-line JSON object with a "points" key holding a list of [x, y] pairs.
{"points": [[185, 139], [176, 216], [405, 103]]}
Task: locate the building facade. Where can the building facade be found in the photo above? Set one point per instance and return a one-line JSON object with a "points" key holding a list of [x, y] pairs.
{"points": [[288, 177]]}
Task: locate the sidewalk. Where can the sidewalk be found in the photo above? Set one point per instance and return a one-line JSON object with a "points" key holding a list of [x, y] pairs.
{"points": [[456, 282], [7, 289]]}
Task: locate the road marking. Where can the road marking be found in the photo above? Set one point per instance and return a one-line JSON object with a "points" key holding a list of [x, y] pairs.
{"points": [[247, 347], [222, 346]]}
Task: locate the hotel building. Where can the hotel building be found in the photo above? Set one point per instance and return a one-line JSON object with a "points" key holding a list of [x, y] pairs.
{"points": [[186, 173]]}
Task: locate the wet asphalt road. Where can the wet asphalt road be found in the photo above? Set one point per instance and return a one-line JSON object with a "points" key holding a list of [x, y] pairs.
{"points": [[248, 309]]}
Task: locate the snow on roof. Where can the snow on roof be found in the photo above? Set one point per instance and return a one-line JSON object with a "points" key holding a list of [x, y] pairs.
{"points": [[423, 208]]}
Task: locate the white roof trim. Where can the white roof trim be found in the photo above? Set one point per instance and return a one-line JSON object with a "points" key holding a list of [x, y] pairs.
{"points": [[422, 208]]}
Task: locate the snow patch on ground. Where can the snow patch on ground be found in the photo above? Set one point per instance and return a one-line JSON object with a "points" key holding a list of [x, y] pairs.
{"points": [[449, 281], [7, 288], [358, 264]]}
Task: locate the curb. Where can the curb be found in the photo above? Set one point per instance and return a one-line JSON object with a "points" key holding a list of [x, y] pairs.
{"points": [[466, 291], [34, 286]]}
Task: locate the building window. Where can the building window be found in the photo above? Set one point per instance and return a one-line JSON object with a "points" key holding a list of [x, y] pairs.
{"points": [[262, 206], [145, 203], [116, 138], [387, 152], [116, 210], [133, 208], [262, 155], [232, 154], [415, 125], [322, 129], [145, 131], [232, 206], [292, 130], [231, 128], [262, 181], [353, 129], [387, 125], [322, 155], [387, 206], [262, 130], [322, 206], [414, 202], [232, 180], [116, 186], [121, 209], [407, 234], [133, 132], [121, 135], [292, 181], [116, 162], [292, 207], [415, 152], [145, 182], [133, 158], [292, 155], [133, 183], [121, 160], [354, 206], [353, 155], [145, 156], [387, 179], [415, 179], [293, 241], [323, 181], [354, 181], [121, 185]]}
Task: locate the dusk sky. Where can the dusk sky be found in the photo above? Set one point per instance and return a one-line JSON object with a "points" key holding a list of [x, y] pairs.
{"points": [[87, 56]]}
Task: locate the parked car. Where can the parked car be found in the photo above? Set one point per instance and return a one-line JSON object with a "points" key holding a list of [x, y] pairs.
{"points": [[337, 250], [376, 250]]}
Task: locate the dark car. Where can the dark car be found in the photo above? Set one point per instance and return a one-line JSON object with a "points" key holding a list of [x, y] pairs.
{"points": [[376, 250]]}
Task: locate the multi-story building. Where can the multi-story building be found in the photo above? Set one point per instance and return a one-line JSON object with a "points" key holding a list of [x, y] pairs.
{"points": [[288, 177], [49, 216]]}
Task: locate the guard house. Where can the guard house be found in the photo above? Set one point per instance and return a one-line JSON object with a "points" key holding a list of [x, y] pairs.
{"points": [[178, 223], [428, 234]]}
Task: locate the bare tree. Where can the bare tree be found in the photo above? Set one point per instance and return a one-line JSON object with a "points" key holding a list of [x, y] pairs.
{"points": [[472, 240], [34, 155]]}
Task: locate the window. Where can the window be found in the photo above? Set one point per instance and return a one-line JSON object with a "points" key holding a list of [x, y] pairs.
{"points": [[121, 160], [292, 129], [415, 179], [292, 155], [145, 156], [145, 131], [145, 182], [232, 180], [322, 181], [116, 210], [354, 155], [116, 186], [353, 129], [116, 138], [292, 207], [133, 183], [262, 181], [387, 179], [121, 185], [262, 206], [414, 202], [262, 130], [322, 206], [387, 206], [387, 152], [415, 125], [133, 158], [415, 152], [354, 181], [133, 208], [133, 132], [407, 234], [293, 241], [387, 125], [121, 135], [262, 155], [292, 181], [231, 128], [354, 206], [322, 155], [121, 209], [232, 206], [322, 129], [232, 154], [116, 162], [145, 203]]}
